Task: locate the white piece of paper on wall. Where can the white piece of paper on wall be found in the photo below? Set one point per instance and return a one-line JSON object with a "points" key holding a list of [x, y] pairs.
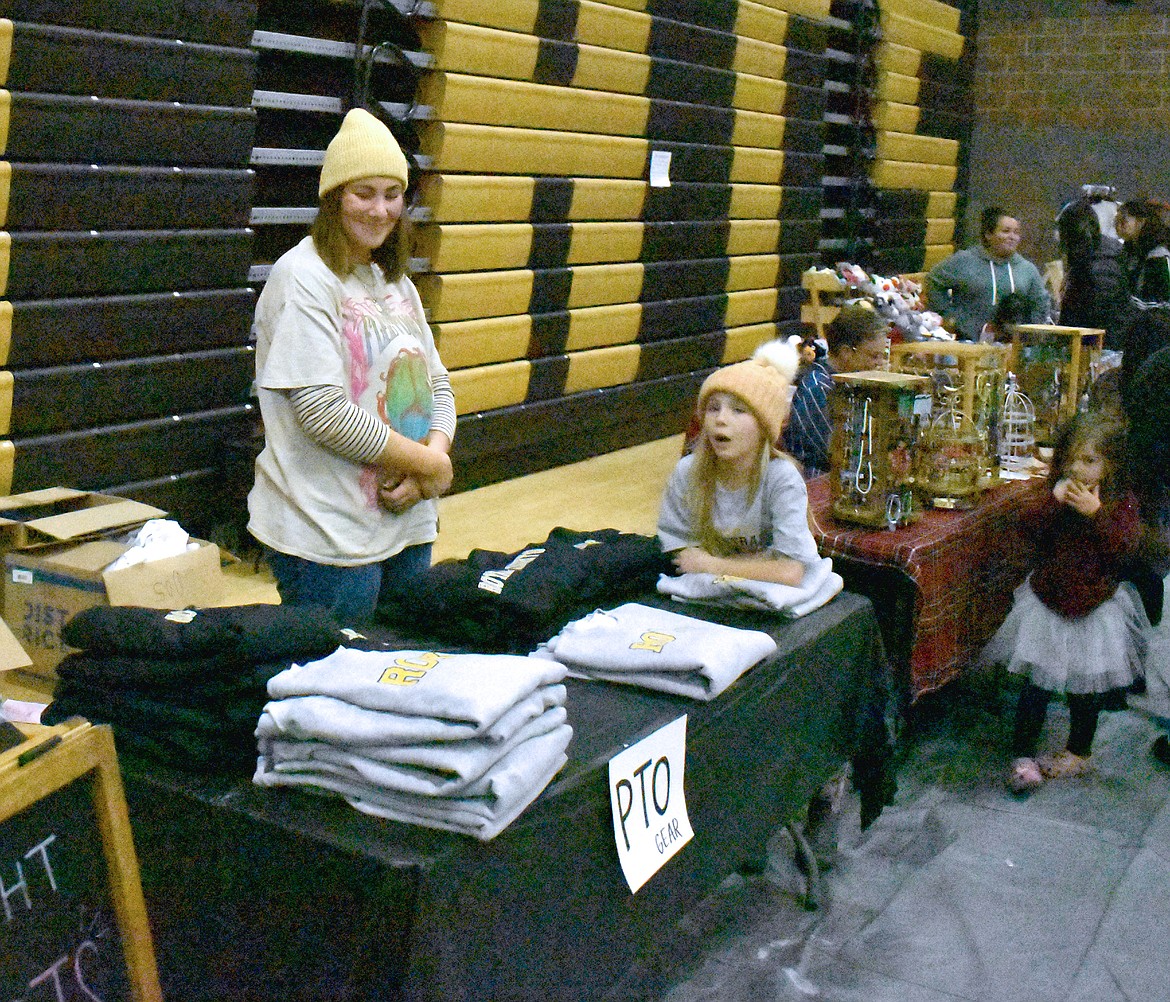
{"points": [[650, 822], [660, 168]]}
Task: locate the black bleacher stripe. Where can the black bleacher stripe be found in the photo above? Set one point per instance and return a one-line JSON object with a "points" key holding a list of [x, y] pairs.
{"points": [[669, 358], [786, 328], [687, 201], [550, 245], [679, 240], [550, 290], [679, 279], [55, 128], [84, 197], [691, 43], [550, 334], [898, 231], [805, 102], [955, 73], [803, 136], [97, 457], [806, 34], [669, 318], [671, 79], [556, 62], [807, 69], [900, 201], [49, 59], [216, 22], [699, 123], [202, 501], [547, 377], [45, 401], [802, 170], [793, 266], [896, 260], [49, 265], [501, 444], [281, 184], [944, 124], [720, 16], [695, 162], [291, 129], [801, 202], [552, 198], [789, 300], [61, 331], [799, 236], [273, 240], [556, 20]]}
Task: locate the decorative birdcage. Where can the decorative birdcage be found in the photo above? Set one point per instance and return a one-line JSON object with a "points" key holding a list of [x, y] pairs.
{"points": [[876, 417], [1017, 429], [975, 372], [1053, 366], [951, 458]]}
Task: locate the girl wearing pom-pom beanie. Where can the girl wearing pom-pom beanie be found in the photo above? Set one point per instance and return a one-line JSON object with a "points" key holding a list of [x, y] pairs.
{"points": [[736, 505]]}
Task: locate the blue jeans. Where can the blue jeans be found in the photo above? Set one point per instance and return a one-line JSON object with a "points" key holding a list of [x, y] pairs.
{"points": [[350, 593]]}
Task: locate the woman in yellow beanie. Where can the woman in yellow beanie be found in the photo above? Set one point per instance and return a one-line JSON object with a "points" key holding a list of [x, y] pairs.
{"points": [[357, 406], [736, 505]]}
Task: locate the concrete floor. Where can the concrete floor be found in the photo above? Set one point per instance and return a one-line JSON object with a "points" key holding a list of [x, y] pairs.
{"points": [[960, 890]]}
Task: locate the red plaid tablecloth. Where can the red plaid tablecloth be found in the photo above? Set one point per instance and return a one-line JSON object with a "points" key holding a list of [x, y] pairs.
{"points": [[964, 564]]}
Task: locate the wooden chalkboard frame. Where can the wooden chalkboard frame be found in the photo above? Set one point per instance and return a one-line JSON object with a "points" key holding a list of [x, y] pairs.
{"points": [[76, 751]]}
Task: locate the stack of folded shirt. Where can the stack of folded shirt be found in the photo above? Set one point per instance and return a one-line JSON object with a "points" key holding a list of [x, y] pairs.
{"points": [[463, 742], [821, 584], [184, 686], [657, 649]]}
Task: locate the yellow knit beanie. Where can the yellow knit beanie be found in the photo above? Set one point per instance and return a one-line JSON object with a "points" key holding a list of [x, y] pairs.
{"points": [[763, 382], [363, 147]]}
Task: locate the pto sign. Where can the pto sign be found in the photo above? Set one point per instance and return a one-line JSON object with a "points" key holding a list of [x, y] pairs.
{"points": [[650, 822]]}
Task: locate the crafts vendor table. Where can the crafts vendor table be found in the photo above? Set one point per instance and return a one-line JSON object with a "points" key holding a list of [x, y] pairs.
{"points": [[941, 586], [283, 895]]}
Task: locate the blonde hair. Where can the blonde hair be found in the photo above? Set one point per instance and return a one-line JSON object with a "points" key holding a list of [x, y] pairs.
{"points": [[329, 238], [702, 480]]}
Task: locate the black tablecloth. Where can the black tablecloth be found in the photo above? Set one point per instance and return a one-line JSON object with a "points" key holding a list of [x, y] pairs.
{"points": [[284, 895]]}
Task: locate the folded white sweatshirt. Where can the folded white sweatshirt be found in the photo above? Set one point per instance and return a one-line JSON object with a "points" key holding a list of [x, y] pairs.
{"points": [[450, 769], [658, 649], [470, 689], [515, 782], [820, 585], [332, 720]]}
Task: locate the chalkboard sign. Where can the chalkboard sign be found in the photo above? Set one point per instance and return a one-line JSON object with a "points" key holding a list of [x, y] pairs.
{"points": [[72, 918]]}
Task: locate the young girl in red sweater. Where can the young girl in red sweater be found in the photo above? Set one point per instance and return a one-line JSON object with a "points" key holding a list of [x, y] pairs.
{"points": [[1074, 627]]}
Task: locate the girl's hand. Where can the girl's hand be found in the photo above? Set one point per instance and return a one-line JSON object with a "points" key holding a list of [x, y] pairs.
{"points": [[400, 497], [1082, 499], [437, 480], [694, 560]]}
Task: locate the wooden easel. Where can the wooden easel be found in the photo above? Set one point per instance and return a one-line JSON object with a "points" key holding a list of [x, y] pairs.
{"points": [[77, 752]]}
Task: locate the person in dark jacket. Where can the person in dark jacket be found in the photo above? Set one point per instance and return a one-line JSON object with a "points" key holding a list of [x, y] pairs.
{"points": [[1142, 224], [1094, 292]]}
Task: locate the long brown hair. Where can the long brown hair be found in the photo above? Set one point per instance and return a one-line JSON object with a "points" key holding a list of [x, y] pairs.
{"points": [[1106, 434], [392, 256]]}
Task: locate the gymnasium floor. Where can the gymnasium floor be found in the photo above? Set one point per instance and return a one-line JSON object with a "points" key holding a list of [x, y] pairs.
{"points": [[959, 891]]}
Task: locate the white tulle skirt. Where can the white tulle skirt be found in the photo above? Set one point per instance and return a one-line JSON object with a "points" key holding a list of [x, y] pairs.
{"points": [[1098, 652]]}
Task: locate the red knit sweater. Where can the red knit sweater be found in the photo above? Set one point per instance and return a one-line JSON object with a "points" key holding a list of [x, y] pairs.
{"points": [[1078, 557]]}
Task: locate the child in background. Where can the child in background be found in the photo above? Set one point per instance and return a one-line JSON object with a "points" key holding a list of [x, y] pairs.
{"points": [[1074, 627], [736, 505]]}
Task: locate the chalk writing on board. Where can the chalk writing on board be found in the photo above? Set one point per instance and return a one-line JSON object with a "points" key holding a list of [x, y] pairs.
{"points": [[59, 941]]}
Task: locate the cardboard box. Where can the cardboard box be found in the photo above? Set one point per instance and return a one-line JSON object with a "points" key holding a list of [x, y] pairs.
{"points": [[61, 514], [45, 587]]}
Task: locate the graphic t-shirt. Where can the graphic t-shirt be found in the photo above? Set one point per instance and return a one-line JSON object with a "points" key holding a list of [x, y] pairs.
{"points": [[370, 338]]}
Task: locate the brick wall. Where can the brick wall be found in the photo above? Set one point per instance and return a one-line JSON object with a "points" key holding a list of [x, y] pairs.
{"points": [[1098, 72], [1063, 100]]}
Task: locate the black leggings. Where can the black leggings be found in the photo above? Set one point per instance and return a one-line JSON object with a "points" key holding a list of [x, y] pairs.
{"points": [[1083, 709]]}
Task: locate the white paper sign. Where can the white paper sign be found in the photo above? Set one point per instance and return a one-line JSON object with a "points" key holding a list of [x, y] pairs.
{"points": [[650, 822], [660, 168]]}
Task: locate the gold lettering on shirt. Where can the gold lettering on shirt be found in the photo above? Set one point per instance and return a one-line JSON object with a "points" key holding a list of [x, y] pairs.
{"points": [[408, 670], [651, 641]]}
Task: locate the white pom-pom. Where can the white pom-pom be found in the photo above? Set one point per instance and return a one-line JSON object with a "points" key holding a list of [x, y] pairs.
{"points": [[781, 355]]}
